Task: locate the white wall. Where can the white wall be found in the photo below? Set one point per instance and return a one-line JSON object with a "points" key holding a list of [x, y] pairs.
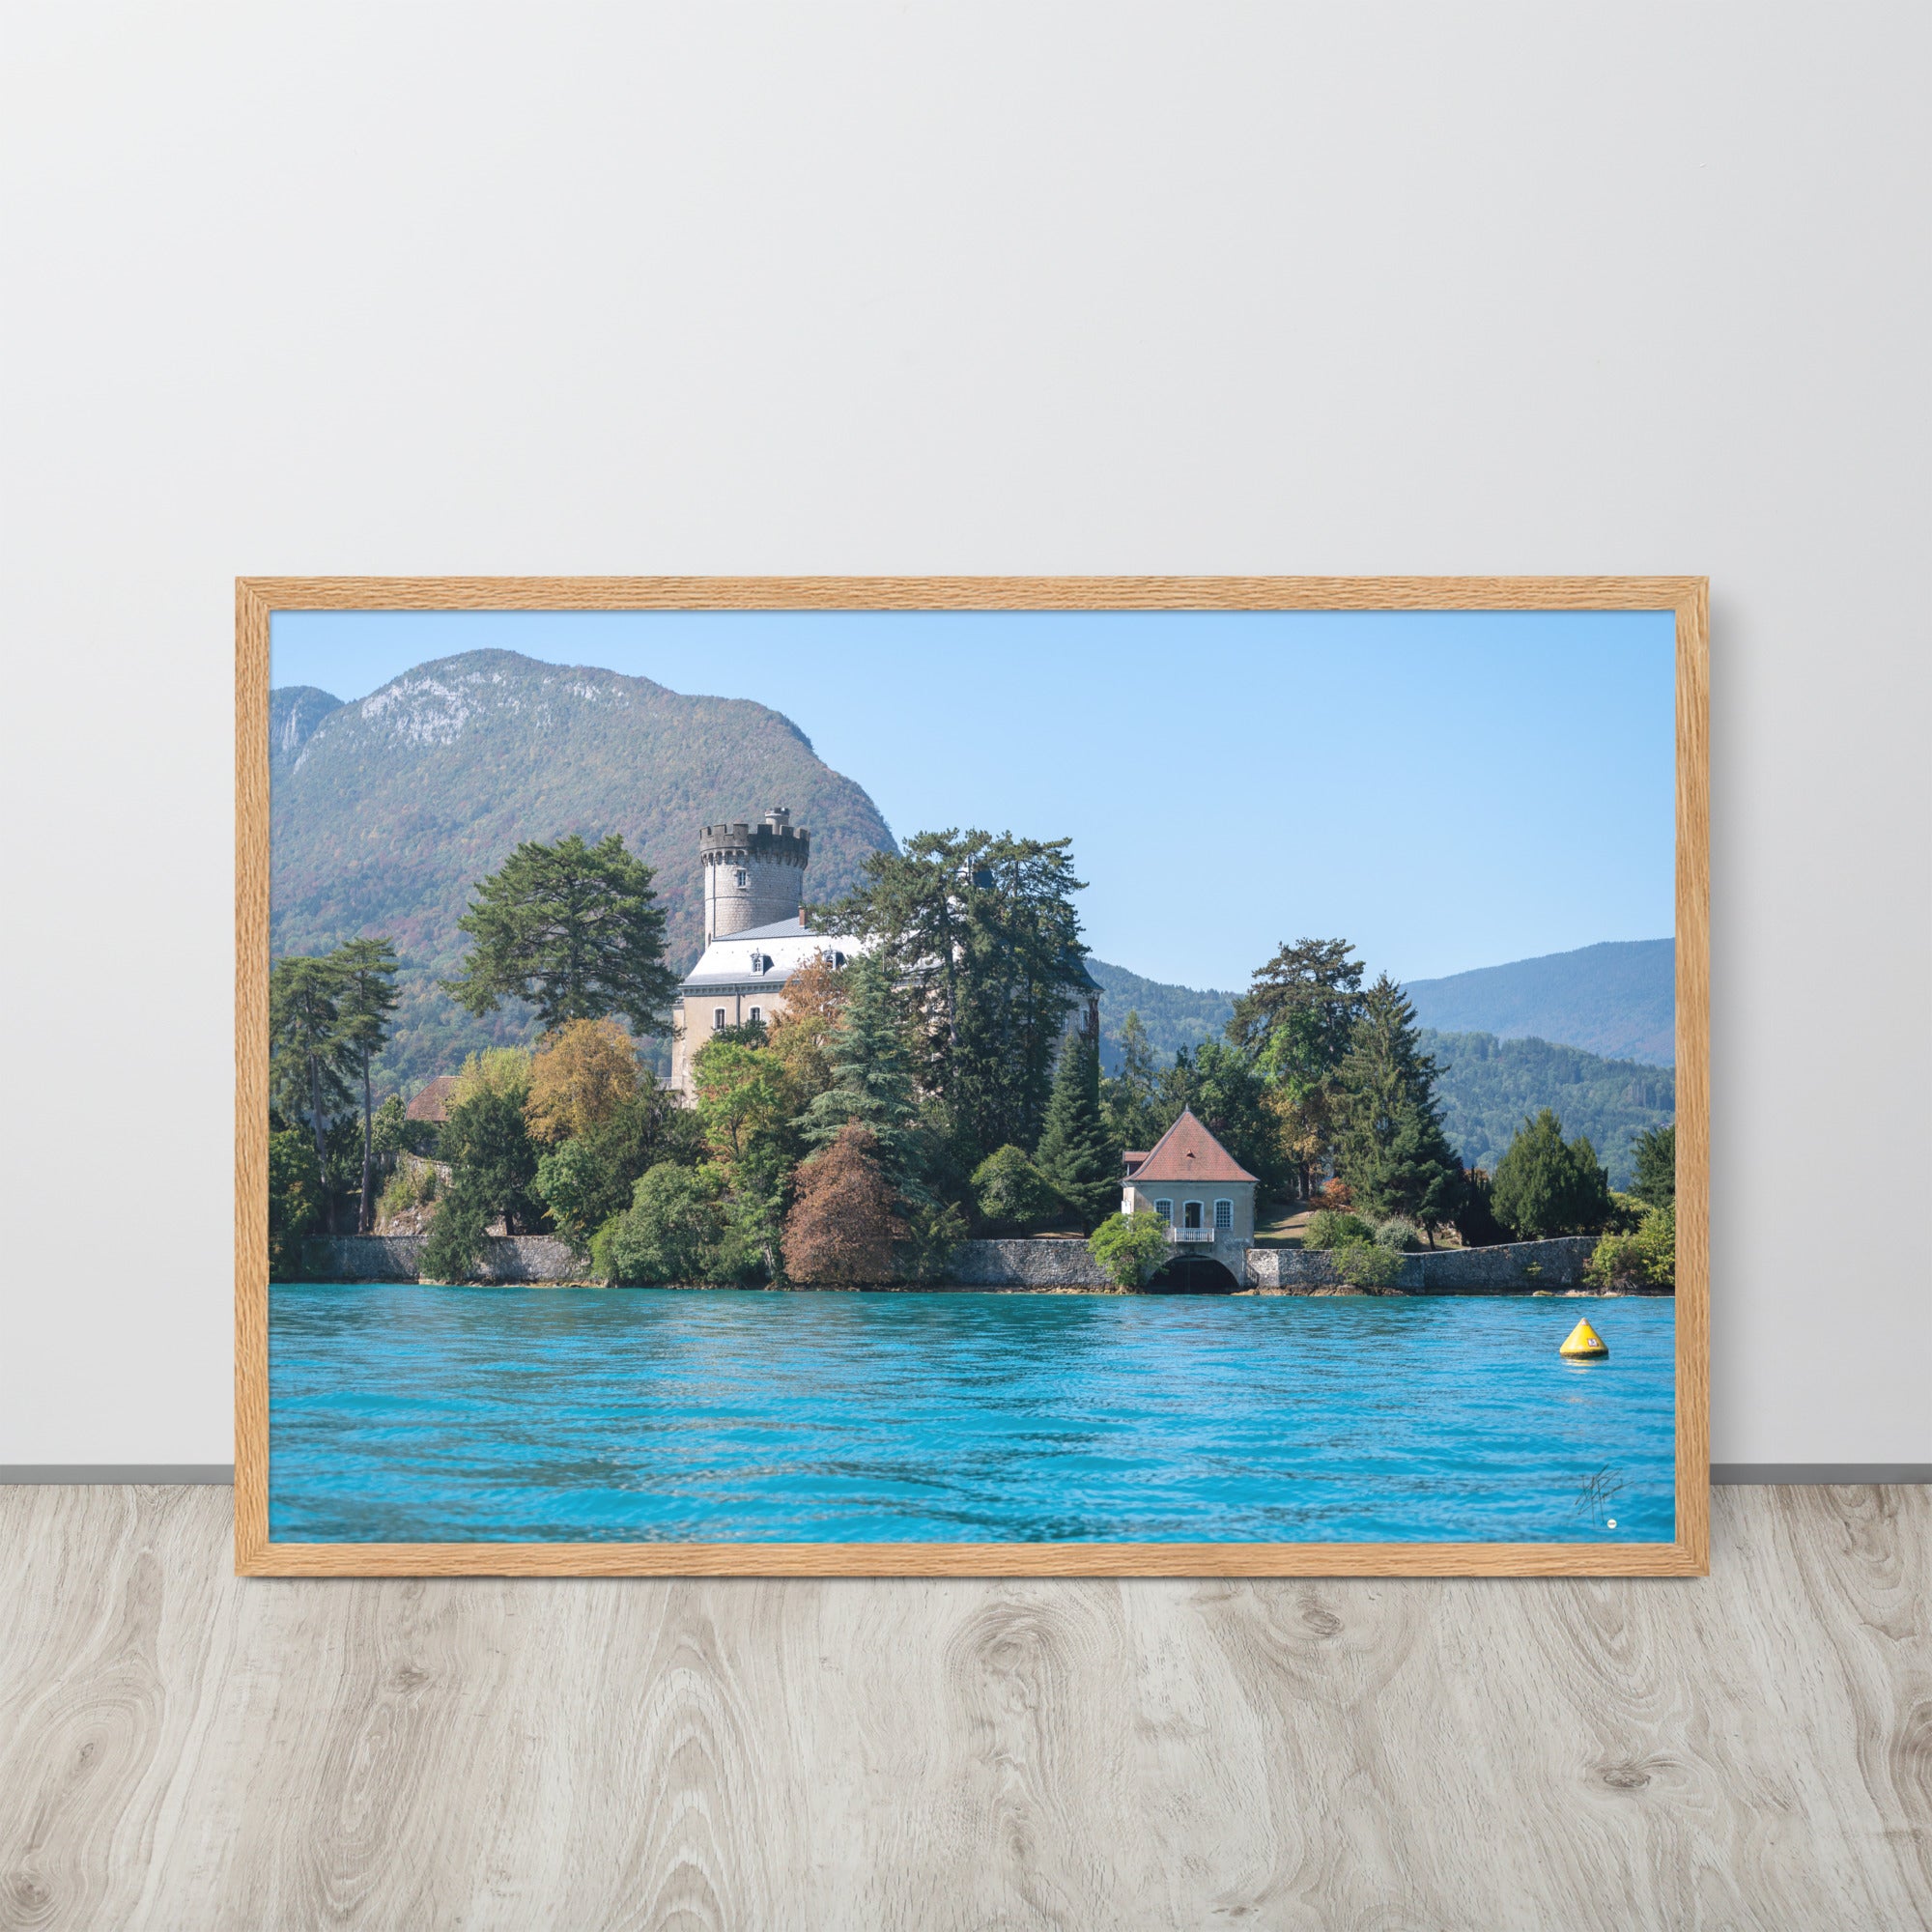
{"points": [[1035, 288]]}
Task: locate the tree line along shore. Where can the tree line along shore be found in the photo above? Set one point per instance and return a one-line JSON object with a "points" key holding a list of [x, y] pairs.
{"points": [[930, 1089]]}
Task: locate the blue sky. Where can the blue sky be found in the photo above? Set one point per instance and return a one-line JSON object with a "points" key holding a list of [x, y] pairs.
{"points": [[1444, 789]]}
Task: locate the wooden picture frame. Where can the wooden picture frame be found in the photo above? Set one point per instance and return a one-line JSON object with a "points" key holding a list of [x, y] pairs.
{"points": [[257, 1554]]}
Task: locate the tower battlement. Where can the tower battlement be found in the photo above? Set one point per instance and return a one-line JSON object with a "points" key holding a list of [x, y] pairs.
{"points": [[753, 874], [774, 842]]}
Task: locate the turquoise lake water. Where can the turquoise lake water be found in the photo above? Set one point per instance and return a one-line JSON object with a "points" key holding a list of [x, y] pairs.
{"points": [[406, 1413]]}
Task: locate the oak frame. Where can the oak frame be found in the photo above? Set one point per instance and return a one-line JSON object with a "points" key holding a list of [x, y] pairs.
{"points": [[256, 1554]]}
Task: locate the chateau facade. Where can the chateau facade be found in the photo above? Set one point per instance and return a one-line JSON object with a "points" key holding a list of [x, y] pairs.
{"points": [[754, 935]]}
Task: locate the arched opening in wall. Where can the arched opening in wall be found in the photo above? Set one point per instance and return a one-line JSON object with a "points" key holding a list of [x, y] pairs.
{"points": [[1192, 1274]]}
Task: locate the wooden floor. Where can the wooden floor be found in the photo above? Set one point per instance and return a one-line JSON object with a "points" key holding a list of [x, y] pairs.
{"points": [[179, 1749]]}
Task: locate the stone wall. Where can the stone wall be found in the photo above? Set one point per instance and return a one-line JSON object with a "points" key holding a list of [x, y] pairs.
{"points": [[1025, 1264], [1518, 1268], [506, 1258]]}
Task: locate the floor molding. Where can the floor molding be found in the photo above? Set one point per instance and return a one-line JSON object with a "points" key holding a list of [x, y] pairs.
{"points": [[162, 1474], [1786, 1474], [1731, 1474]]}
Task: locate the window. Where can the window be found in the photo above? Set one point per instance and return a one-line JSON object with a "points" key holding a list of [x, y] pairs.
{"points": [[1190, 1213], [1164, 1211], [757, 1018], [718, 1020], [1224, 1214], [741, 878]]}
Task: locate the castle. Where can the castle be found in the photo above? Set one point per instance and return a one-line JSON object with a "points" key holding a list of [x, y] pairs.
{"points": [[756, 937]]}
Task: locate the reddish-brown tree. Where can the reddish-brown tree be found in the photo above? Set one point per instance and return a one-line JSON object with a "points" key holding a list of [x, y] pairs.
{"points": [[845, 1224]]}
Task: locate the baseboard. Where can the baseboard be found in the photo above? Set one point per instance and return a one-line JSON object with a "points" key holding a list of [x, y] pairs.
{"points": [[1781, 1474], [162, 1474], [1731, 1474]]}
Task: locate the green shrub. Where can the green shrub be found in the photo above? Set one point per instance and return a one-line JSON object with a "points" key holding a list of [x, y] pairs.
{"points": [[1011, 1191], [295, 1201], [1399, 1235], [1364, 1264], [1329, 1228], [674, 1232], [1132, 1248], [456, 1239], [1639, 1263]]}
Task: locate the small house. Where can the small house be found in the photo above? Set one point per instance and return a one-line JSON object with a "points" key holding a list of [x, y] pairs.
{"points": [[1193, 1184]]}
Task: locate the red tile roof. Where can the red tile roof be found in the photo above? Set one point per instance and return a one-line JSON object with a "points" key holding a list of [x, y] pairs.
{"points": [[1188, 1152], [433, 1102]]}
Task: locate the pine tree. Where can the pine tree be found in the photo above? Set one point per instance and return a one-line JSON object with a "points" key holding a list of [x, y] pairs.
{"points": [[576, 929], [309, 1057], [871, 1075], [1297, 1020], [1075, 1157], [1546, 1185], [1130, 1101], [1392, 1152], [984, 928], [365, 973]]}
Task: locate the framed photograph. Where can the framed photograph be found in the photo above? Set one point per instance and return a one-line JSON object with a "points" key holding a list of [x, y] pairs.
{"points": [[1059, 1076]]}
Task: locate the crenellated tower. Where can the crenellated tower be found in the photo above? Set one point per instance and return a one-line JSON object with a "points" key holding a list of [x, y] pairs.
{"points": [[753, 874]]}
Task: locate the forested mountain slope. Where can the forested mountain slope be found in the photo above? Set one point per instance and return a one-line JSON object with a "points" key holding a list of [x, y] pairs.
{"points": [[1488, 1086], [1618, 999]]}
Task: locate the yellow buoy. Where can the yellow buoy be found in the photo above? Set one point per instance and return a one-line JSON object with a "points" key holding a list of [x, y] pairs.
{"points": [[1584, 1344]]}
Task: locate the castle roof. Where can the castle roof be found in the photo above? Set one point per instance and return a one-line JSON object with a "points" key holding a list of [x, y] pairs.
{"points": [[764, 957], [1188, 1152]]}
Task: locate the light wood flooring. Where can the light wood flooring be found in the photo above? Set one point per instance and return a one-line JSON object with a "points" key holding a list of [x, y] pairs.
{"points": [[180, 1749]]}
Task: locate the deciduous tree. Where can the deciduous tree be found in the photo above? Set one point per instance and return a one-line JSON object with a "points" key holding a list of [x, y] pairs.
{"points": [[846, 1220], [580, 1077]]}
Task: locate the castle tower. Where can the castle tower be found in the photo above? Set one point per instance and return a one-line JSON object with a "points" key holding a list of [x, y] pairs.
{"points": [[753, 874]]}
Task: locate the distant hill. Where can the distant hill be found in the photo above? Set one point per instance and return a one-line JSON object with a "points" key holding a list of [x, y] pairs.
{"points": [[1618, 999], [387, 811], [1488, 1086], [1174, 1016]]}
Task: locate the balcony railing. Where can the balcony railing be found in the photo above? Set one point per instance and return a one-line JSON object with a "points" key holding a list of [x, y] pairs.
{"points": [[1190, 1233]]}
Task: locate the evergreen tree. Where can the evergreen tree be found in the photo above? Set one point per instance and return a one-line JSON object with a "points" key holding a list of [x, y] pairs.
{"points": [[871, 1075], [1297, 1022], [1392, 1153], [1546, 1185], [981, 935], [576, 929], [365, 972], [1075, 1157], [1655, 1151], [309, 1056], [1130, 1101]]}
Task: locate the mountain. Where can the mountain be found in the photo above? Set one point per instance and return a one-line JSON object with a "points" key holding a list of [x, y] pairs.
{"points": [[1618, 999], [1488, 1086], [294, 713], [385, 812], [1174, 1016]]}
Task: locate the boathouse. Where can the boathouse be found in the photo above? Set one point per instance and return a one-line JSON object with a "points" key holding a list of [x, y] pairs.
{"points": [[1205, 1197]]}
